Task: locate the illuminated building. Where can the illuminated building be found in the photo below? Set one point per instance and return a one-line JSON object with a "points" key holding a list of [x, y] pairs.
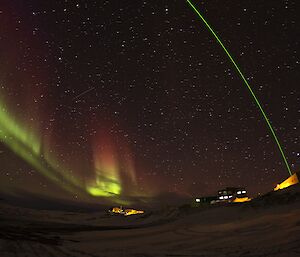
{"points": [[227, 195], [132, 212], [124, 212], [292, 180], [204, 200], [233, 194]]}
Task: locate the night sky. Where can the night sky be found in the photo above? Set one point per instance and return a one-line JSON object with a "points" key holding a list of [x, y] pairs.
{"points": [[136, 98]]}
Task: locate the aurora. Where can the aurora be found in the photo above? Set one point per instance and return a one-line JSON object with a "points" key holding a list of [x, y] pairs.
{"points": [[27, 145], [98, 106]]}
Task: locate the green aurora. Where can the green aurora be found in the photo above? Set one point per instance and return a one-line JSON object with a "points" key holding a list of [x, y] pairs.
{"points": [[28, 146]]}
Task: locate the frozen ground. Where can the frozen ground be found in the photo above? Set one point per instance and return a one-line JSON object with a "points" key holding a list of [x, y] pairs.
{"points": [[269, 226]]}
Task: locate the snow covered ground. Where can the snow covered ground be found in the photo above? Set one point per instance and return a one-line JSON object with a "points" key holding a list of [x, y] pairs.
{"points": [[269, 226]]}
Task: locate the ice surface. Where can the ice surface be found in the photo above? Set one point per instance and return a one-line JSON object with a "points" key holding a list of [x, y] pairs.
{"points": [[268, 226]]}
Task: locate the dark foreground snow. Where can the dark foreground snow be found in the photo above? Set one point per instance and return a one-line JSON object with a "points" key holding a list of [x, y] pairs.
{"points": [[269, 226]]}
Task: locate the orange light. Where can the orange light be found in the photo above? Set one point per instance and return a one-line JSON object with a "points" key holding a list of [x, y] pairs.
{"points": [[126, 212], [292, 180], [242, 200], [132, 212]]}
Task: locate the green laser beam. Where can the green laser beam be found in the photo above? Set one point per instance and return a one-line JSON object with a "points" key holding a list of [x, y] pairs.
{"points": [[246, 83]]}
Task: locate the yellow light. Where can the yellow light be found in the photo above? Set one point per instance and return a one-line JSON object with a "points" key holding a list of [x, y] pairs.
{"points": [[132, 212], [126, 212], [242, 200], [292, 180]]}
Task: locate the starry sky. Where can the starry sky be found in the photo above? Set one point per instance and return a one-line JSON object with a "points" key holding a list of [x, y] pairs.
{"points": [[137, 98]]}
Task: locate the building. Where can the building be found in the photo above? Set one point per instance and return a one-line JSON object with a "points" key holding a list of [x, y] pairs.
{"points": [[124, 212], [226, 195], [290, 181], [229, 194], [205, 200]]}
